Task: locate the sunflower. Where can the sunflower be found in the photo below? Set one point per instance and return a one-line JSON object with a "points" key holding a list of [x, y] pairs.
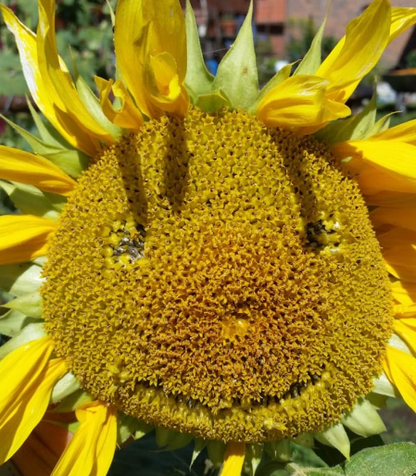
{"points": [[195, 256]]}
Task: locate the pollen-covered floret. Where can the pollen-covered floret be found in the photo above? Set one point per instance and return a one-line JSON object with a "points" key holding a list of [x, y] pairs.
{"points": [[220, 278]]}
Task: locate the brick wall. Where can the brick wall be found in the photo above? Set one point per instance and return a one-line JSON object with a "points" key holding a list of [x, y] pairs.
{"points": [[270, 11]]}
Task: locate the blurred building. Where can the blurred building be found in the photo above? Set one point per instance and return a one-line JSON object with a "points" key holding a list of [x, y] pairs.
{"points": [[219, 21]]}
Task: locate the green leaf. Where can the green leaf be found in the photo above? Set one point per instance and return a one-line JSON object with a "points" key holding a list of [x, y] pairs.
{"points": [[66, 386], [57, 201], [93, 106], [364, 419], [237, 73], [353, 128], [198, 79], [278, 78], [30, 199], [312, 60], [13, 322], [27, 334], [213, 101], [391, 460], [300, 471], [71, 161], [20, 279], [29, 304]]}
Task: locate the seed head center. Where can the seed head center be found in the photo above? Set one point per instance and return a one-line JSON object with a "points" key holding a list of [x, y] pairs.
{"points": [[214, 276]]}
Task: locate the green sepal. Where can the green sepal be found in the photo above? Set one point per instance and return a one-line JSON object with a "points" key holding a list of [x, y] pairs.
{"points": [[279, 450], [12, 322], [41, 261], [58, 201], [199, 445], [71, 161], [383, 386], [20, 279], [312, 60], [398, 343], [29, 304], [252, 458], [171, 440], [353, 128], [30, 199], [381, 125], [27, 334], [364, 420], [213, 101], [142, 429], [278, 78], [73, 401], [216, 451], [237, 73], [198, 79], [66, 386], [112, 14], [336, 437], [93, 106], [46, 131], [304, 439], [130, 427], [126, 426]]}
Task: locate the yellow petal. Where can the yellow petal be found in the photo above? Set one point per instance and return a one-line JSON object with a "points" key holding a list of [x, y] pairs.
{"points": [[61, 88], [396, 237], [389, 158], [405, 132], [400, 217], [127, 116], [400, 369], [406, 313], [366, 38], [401, 19], [151, 36], [401, 262], [19, 166], [27, 381], [233, 459], [91, 450], [406, 330], [54, 94], [390, 198], [404, 293], [23, 237], [299, 102]]}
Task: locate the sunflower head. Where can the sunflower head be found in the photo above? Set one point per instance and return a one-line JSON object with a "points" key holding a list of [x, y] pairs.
{"points": [[212, 268]]}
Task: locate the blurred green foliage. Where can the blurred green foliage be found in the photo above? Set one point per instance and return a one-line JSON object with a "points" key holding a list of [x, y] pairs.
{"points": [[302, 33], [83, 26]]}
